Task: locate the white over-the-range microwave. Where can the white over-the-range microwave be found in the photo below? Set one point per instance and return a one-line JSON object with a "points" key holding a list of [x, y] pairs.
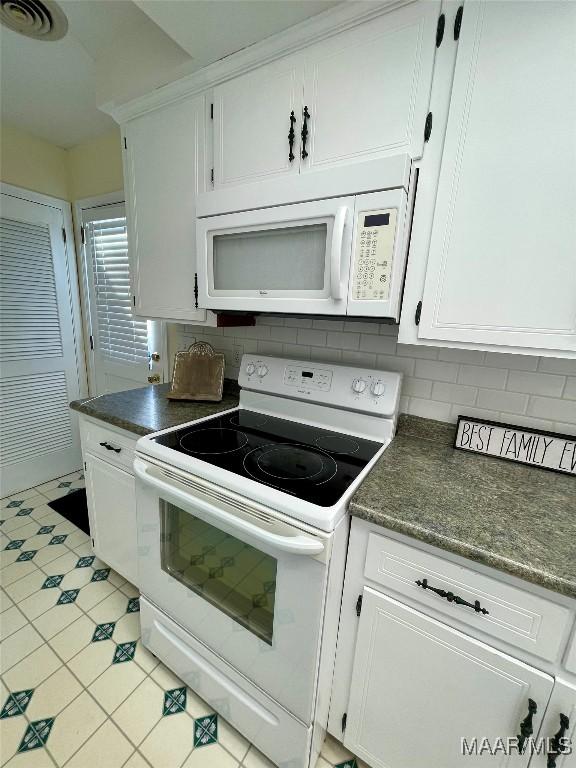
{"points": [[301, 247]]}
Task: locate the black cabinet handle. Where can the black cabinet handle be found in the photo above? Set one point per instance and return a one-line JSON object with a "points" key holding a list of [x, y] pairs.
{"points": [[305, 132], [110, 447], [291, 136], [526, 728], [556, 747], [451, 597]]}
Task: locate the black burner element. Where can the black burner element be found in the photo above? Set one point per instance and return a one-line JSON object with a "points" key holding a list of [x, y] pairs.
{"points": [[213, 441], [313, 464]]}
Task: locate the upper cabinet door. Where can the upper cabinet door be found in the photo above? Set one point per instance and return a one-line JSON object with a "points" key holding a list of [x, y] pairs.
{"points": [[164, 172], [367, 90], [419, 687], [502, 261], [252, 124]]}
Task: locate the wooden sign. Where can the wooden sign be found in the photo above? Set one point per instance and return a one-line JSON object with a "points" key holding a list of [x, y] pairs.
{"points": [[522, 445]]}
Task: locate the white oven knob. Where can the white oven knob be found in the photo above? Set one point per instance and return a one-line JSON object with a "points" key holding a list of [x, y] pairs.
{"points": [[262, 370], [378, 388], [359, 385], [250, 368]]}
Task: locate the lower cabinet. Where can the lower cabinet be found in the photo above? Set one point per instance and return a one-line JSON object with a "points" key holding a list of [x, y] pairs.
{"points": [[558, 730], [419, 688], [111, 497]]}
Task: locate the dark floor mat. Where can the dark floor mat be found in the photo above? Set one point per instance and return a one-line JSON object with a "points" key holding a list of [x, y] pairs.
{"points": [[73, 507]]}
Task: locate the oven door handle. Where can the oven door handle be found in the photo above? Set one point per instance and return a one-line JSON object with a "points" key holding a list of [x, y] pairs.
{"points": [[295, 545], [336, 252]]}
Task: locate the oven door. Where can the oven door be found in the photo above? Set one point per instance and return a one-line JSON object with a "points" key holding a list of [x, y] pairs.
{"points": [[290, 258], [238, 577]]}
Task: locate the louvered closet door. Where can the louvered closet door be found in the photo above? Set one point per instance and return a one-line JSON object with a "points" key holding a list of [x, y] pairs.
{"points": [[122, 342], [38, 351]]}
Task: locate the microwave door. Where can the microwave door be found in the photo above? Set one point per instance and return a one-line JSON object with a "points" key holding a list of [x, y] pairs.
{"points": [[379, 252], [293, 259]]}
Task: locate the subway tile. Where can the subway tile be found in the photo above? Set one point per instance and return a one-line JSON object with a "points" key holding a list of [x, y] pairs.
{"points": [[480, 376], [421, 351], [357, 326], [552, 409], [436, 370], [570, 389], [536, 383], [328, 325], [430, 409], [412, 387], [453, 393], [470, 356], [516, 362], [325, 354], [269, 320], [312, 337], [557, 365], [298, 322], [502, 401], [473, 412], [403, 365], [565, 429], [283, 334], [389, 329], [344, 340], [296, 352], [382, 345], [363, 359], [256, 332], [521, 420], [404, 404], [274, 348]]}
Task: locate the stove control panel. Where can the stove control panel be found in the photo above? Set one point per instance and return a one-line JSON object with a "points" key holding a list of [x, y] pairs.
{"points": [[339, 386]]}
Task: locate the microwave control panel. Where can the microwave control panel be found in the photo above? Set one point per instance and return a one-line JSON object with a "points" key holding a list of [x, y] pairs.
{"points": [[373, 254]]}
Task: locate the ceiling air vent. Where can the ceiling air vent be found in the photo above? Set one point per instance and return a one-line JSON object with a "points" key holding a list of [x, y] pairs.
{"points": [[40, 20]]}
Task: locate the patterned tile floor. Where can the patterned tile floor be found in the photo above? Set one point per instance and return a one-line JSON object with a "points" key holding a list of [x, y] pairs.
{"points": [[77, 688]]}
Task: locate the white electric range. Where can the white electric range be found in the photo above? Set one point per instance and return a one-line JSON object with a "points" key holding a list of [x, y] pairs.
{"points": [[242, 535]]}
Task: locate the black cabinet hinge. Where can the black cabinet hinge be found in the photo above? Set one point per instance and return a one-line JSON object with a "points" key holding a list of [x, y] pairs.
{"points": [[428, 126], [196, 290], [91, 342], [359, 605], [418, 313], [85, 467], [440, 30], [134, 301], [125, 145], [458, 22], [344, 718], [82, 235], [212, 175], [64, 237], [211, 111]]}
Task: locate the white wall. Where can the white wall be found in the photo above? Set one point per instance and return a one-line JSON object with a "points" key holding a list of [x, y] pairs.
{"points": [[438, 383]]}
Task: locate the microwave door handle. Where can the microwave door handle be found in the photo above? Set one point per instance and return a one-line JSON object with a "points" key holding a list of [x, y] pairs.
{"points": [[336, 252], [295, 545]]}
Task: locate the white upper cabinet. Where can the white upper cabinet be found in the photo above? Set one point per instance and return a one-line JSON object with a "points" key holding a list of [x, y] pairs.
{"points": [[367, 90], [252, 123], [502, 263], [164, 170], [356, 96], [419, 687]]}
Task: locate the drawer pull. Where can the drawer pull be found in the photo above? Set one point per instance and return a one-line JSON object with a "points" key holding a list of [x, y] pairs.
{"points": [[451, 597], [110, 447], [557, 746], [526, 728]]}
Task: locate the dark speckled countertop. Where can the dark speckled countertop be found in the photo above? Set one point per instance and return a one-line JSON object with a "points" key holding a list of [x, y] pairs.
{"points": [[147, 409], [518, 519]]}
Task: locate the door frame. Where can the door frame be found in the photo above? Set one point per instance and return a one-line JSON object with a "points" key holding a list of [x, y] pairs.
{"points": [[73, 275], [101, 201]]}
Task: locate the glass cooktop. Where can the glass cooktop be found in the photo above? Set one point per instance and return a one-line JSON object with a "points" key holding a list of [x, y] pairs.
{"points": [[314, 464]]}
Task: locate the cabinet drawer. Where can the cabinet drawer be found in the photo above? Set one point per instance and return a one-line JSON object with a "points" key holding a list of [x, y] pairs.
{"points": [[108, 444], [517, 617]]}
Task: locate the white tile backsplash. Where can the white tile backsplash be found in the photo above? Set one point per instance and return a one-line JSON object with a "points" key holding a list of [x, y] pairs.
{"points": [[440, 383]]}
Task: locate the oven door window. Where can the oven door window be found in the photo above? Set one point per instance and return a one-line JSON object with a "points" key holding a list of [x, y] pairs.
{"points": [[281, 259], [236, 577]]}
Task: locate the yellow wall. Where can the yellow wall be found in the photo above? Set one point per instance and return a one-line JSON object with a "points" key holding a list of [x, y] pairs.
{"points": [[95, 168], [90, 169], [32, 163]]}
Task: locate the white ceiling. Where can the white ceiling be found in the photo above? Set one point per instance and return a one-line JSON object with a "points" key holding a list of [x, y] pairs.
{"points": [[118, 49]]}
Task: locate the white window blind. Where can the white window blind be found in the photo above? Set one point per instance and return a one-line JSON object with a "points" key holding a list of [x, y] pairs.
{"points": [[120, 336]]}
